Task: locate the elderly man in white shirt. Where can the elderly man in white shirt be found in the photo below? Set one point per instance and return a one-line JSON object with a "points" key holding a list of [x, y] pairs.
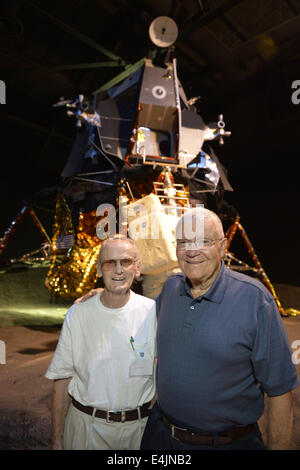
{"points": [[103, 365]]}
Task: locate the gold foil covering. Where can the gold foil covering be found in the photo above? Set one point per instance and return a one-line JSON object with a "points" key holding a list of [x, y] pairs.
{"points": [[73, 272]]}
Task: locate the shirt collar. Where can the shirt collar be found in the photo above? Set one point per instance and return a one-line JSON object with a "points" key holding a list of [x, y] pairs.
{"points": [[216, 291]]}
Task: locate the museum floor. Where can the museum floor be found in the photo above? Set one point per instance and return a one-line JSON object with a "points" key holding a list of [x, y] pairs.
{"points": [[25, 393]]}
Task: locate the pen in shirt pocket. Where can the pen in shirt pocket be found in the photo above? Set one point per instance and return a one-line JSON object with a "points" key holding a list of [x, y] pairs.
{"points": [[140, 349], [131, 342]]}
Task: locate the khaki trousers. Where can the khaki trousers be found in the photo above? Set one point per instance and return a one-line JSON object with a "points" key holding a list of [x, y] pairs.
{"points": [[84, 432]]}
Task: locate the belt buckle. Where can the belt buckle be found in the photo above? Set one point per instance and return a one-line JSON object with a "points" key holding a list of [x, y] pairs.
{"points": [[173, 428], [123, 417]]}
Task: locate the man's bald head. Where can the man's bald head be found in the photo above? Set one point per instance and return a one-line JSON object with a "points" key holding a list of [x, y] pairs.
{"points": [[202, 219]]}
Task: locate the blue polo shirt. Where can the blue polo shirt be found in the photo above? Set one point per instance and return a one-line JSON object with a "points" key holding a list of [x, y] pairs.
{"points": [[219, 353]]}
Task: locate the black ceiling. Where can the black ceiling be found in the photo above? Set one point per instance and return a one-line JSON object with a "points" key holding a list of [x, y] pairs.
{"points": [[54, 48], [239, 56]]}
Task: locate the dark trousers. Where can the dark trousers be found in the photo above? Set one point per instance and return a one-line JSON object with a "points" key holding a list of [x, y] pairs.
{"points": [[157, 436]]}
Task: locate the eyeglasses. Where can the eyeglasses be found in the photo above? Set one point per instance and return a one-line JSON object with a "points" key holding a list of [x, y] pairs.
{"points": [[111, 264], [200, 243]]}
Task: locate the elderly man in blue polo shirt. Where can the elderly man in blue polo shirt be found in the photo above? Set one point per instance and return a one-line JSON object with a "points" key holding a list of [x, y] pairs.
{"points": [[222, 349]]}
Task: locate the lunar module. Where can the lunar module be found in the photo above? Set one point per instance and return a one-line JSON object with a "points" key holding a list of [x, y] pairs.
{"points": [[142, 155]]}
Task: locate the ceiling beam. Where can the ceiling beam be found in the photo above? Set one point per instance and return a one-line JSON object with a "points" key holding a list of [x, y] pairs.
{"points": [[191, 53], [91, 65], [73, 32], [292, 7], [233, 28], [114, 81], [285, 23], [200, 20]]}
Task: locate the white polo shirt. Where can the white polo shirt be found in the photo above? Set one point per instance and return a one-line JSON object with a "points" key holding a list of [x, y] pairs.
{"points": [[108, 371]]}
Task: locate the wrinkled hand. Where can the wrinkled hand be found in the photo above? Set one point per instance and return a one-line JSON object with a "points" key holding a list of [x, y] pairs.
{"points": [[88, 295]]}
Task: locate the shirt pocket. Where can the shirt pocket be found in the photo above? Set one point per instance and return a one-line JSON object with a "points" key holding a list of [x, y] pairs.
{"points": [[142, 364], [141, 349]]}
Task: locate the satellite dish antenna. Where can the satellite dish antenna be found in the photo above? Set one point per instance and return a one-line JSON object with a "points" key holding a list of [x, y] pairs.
{"points": [[163, 31]]}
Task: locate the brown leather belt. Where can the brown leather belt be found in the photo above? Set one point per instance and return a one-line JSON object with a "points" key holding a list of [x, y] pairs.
{"points": [[190, 437], [121, 416]]}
